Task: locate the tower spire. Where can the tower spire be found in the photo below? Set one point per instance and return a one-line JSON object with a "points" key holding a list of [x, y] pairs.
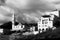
{"points": [[13, 19]]}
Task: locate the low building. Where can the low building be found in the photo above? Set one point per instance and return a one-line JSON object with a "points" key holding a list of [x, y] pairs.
{"points": [[18, 27]]}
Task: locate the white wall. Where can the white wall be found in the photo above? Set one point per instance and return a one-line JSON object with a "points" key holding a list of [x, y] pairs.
{"points": [[54, 12]]}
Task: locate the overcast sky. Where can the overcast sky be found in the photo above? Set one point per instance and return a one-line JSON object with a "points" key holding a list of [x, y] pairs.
{"points": [[35, 4], [31, 8]]}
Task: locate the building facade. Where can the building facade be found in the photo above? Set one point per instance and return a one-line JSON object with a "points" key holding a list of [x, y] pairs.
{"points": [[45, 23]]}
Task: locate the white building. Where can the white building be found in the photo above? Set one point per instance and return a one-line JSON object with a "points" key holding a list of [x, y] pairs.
{"points": [[32, 29], [1, 30], [45, 23], [53, 12], [18, 27]]}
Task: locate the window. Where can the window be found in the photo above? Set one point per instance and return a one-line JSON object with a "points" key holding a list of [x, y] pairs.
{"points": [[45, 22]]}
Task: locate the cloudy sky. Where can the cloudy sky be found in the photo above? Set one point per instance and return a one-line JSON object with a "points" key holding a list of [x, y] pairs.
{"points": [[35, 4], [30, 9]]}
